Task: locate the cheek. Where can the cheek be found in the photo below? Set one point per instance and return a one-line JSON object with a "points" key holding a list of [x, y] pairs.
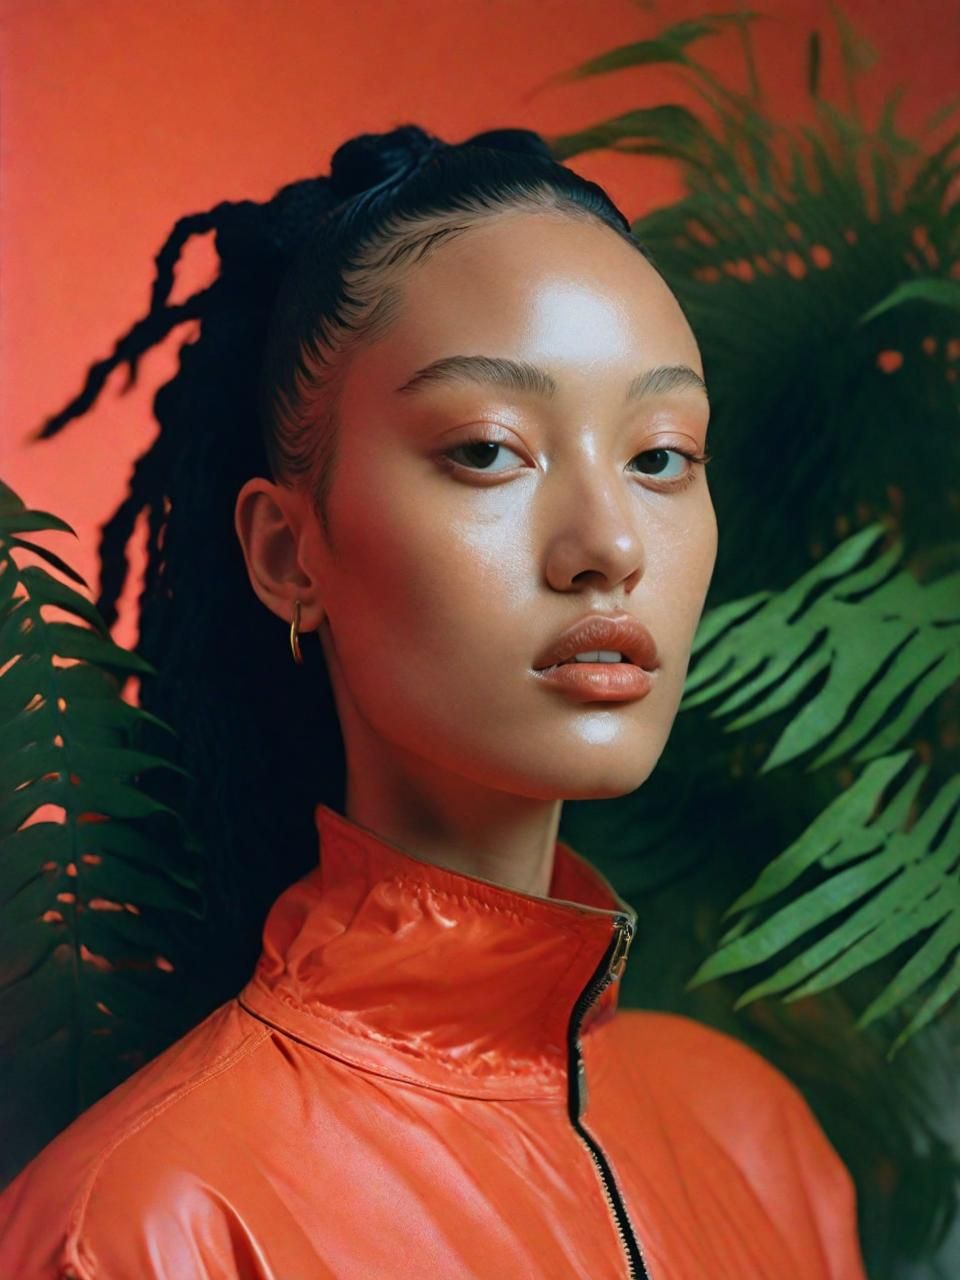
{"points": [[679, 568], [431, 588]]}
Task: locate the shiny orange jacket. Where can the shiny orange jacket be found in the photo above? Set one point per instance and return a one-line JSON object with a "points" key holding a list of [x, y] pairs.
{"points": [[428, 1075]]}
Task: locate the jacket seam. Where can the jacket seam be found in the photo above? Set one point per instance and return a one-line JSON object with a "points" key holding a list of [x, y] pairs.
{"points": [[74, 1243], [358, 1033], [391, 1074]]}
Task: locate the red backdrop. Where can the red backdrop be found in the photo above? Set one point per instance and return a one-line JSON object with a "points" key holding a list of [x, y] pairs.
{"points": [[122, 115]]}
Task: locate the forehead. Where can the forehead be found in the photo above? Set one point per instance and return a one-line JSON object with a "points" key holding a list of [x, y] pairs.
{"points": [[567, 294]]}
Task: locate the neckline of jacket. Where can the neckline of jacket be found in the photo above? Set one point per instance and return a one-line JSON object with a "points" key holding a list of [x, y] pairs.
{"points": [[432, 976]]}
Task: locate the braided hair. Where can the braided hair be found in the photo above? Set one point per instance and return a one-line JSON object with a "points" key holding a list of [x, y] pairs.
{"points": [[303, 278]]}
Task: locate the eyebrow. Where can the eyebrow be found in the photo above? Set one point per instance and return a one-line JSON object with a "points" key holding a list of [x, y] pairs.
{"points": [[518, 375]]}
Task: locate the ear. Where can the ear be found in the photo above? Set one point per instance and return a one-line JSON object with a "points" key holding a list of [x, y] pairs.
{"points": [[269, 519]]}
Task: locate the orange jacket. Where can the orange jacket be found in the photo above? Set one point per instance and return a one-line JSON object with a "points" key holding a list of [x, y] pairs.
{"points": [[428, 1076]]}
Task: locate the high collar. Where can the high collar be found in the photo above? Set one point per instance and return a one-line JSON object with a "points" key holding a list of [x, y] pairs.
{"points": [[411, 970]]}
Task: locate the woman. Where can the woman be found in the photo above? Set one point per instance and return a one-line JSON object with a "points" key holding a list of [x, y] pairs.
{"points": [[482, 485]]}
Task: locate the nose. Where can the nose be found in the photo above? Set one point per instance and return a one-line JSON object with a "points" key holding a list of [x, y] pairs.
{"points": [[594, 533]]}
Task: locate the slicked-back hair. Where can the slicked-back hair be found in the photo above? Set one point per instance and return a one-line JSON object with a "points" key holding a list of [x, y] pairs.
{"points": [[304, 279]]}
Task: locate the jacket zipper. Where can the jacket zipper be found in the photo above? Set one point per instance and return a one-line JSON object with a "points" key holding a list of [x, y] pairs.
{"points": [[610, 967]]}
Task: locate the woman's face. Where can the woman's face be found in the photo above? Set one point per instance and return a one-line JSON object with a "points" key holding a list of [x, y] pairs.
{"points": [[452, 568]]}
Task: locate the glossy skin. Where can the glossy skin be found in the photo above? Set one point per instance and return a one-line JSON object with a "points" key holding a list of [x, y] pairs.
{"points": [[444, 583]]}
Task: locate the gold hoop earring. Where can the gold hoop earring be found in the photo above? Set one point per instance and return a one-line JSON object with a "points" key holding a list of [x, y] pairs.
{"points": [[294, 637]]}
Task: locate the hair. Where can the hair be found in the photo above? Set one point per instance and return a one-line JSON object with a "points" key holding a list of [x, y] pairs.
{"points": [[304, 279]]}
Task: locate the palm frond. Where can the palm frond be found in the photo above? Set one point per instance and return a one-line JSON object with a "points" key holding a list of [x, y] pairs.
{"points": [[817, 266], [899, 866], [938, 293], [788, 253], [670, 46], [86, 895], [887, 645]]}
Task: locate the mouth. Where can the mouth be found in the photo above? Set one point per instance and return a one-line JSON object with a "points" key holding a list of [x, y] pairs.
{"points": [[593, 662], [601, 640], [604, 681], [600, 657]]}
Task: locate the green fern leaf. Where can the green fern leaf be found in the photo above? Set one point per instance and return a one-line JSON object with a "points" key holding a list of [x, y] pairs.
{"points": [[908, 876], [850, 621], [86, 902], [669, 46], [938, 293]]}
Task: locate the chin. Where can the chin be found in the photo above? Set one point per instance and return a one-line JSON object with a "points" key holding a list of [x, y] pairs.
{"points": [[610, 787], [572, 779]]}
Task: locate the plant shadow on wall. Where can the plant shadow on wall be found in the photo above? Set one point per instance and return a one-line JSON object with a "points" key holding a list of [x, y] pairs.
{"points": [[810, 787]]}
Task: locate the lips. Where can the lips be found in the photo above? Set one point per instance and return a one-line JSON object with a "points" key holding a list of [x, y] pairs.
{"points": [[621, 632]]}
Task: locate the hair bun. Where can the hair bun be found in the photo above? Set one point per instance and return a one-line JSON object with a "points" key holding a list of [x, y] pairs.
{"points": [[371, 158]]}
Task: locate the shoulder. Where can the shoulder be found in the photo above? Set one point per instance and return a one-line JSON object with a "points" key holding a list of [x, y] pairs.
{"points": [[682, 1054], [734, 1090], [756, 1113], [136, 1150]]}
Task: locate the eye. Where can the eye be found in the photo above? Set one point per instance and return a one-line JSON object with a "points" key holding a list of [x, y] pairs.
{"points": [[479, 455], [656, 461], [482, 456]]}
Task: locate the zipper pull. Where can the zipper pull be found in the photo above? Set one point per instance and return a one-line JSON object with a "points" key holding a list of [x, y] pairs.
{"points": [[623, 930], [618, 961]]}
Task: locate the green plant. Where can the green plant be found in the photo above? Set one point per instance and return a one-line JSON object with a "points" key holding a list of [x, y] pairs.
{"points": [[88, 897], [883, 641], [821, 242], [819, 267]]}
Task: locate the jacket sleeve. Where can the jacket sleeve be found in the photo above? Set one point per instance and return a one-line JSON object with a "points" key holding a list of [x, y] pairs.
{"points": [[762, 1121], [828, 1187], [130, 1223]]}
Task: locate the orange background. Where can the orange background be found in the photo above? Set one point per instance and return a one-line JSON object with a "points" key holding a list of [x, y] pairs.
{"points": [[119, 116]]}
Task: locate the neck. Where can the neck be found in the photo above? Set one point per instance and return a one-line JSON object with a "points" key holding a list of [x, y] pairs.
{"points": [[453, 821]]}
